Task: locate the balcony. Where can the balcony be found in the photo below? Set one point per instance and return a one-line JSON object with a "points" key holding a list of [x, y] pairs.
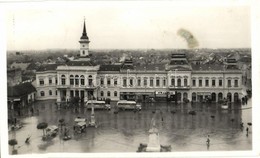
{"points": [[172, 87]]}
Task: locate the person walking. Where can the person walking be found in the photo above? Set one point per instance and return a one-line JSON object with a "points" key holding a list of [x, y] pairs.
{"points": [[208, 141], [247, 130]]}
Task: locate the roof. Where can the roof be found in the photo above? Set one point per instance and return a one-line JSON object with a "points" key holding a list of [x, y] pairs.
{"points": [[207, 67], [21, 90], [84, 33], [109, 67], [178, 62], [155, 67], [48, 67], [180, 68], [80, 63], [127, 66]]}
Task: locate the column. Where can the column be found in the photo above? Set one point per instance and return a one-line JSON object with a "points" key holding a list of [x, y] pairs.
{"points": [[58, 96]]}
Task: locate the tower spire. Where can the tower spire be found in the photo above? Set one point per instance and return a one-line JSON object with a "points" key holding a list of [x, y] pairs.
{"points": [[84, 33]]}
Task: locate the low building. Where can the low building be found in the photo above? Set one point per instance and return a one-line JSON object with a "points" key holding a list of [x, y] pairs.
{"points": [[21, 95]]}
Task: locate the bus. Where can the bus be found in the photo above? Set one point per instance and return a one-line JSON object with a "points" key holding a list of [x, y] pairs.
{"points": [[128, 105], [97, 105]]}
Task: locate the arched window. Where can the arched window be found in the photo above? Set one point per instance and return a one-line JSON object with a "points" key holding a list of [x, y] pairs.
{"points": [[77, 80], [83, 52], [193, 97], [82, 80], [50, 92], [42, 93], [63, 80], [185, 82], [220, 96], [115, 93], [173, 82], [90, 80], [101, 81], [101, 93], [108, 93], [71, 80], [179, 82]]}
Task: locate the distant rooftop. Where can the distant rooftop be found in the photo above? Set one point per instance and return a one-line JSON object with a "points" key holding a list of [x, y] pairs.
{"points": [[109, 67], [81, 63], [48, 67], [207, 67]]}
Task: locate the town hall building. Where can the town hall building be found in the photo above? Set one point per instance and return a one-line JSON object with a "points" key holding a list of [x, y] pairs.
{"points": [[177, 80]]}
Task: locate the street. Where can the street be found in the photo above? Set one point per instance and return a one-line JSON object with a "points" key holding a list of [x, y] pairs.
{"points": [[123, 132]]}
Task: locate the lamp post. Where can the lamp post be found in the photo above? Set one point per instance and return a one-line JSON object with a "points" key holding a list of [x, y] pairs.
{"points": [[175, 85]]}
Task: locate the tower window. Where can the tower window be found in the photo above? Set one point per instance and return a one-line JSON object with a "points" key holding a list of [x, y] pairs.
{"points": [[83, 52], [83, 45]]}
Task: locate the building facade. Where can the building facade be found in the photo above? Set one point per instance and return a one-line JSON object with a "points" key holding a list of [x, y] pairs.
{"points": [[178, 80]]}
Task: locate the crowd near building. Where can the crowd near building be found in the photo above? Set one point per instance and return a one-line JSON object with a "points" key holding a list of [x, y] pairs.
{"points": [[179, 80]]}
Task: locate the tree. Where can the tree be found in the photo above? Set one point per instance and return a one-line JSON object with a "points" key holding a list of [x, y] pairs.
{"points": [[42, 126], [12, 142]]}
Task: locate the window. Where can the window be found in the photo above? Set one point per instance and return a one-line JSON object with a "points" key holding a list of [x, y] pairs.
{"points": [[56, 81], [50, 92], [71, 93], [82, 80], [63, 80], [193, 82], [115, 93], [90, 80], [42, 93], [131, 82], [200, 83], [145, 81], [41, 82], [108, 81], [220, 82], [157, 82], [50, 81], [164, 82], [115, 82], [179, 82], [76, 80], [151, 82], [173, 82], [236, 83], [206, 82], [229, 83], [101, 93], [101, 81], [108, 93], [71, 80], [124, 82], [185, 82], [56, 92], [139, 82], [83, 52], [213, 83]]}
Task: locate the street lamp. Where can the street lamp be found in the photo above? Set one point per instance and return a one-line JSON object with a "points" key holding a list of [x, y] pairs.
{"points": [[175, 85]]}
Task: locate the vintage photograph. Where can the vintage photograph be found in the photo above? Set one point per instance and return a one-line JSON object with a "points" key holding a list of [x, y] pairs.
{"points": [[117, 77]]}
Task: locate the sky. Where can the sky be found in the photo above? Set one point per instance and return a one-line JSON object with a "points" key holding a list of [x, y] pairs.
{"points": [[126, 25]]}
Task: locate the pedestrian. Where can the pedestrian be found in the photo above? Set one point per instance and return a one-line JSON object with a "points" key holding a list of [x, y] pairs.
{"points": [[32, 111], [247, 129], [241, 126], [208, 141]]}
